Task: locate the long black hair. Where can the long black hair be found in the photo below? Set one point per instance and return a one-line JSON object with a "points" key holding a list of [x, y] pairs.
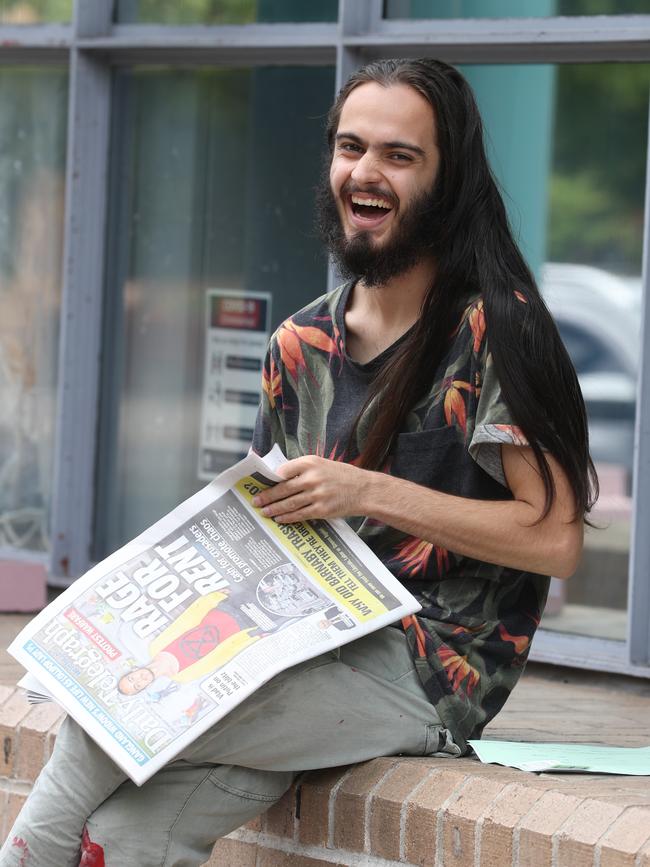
{"points": [[476, 252]]}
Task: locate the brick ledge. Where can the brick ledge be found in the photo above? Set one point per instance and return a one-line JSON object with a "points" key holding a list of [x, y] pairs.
{"points": [[288, 851], [446, 813], [395, 811]]}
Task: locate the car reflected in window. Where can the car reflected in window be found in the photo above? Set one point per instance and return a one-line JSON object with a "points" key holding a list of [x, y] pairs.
{"points": [[598, 316]]}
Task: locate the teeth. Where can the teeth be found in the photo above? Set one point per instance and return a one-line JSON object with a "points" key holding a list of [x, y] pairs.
{"points": [[375, 203]]}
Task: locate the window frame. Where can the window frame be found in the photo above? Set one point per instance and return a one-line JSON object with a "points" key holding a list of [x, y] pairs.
{"points": [[91, 45]]}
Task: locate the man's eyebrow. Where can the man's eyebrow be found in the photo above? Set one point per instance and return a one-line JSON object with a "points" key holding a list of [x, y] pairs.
{"points": [[386, 145], [403, 145]]}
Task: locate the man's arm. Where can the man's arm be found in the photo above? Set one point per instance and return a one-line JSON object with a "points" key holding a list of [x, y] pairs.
{"points": [[506, 532]]}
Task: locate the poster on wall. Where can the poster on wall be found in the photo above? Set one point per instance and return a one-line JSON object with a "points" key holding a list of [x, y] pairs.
{"points": [[237, 333]]}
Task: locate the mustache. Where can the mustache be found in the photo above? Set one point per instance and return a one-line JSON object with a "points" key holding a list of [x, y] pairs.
{"points": [[349, 188]]}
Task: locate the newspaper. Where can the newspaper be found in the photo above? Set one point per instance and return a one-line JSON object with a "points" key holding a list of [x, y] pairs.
{"points": [[162, 639], [565, 758]]}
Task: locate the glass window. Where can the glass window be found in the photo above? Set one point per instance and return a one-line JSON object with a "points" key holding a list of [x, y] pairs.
{"points": [[224, 11], [568, 144], [212, 229], [589, 352], [34, 11], [33, 109], [510, 8]]}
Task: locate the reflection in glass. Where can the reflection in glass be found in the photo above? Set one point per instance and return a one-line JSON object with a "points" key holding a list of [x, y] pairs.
{"points": [[595, 224], [568, 145], [35, 11], [33, 108], [224, 11], [213, 173], [511, 8]]}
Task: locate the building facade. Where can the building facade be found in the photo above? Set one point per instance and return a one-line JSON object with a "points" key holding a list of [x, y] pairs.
{"points": [[158, 161]]}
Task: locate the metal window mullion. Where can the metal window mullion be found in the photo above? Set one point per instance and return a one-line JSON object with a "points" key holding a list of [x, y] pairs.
{"points": [[582, 651], [375, 16], [347, 60], [230, 45], [515, 40], [81, 304], [639, 581], [37, 44], [575, 28], [188, 37], [355, 17], [261, 32], [360, 16], [453, 50], [38, 56], [14, 37], [225, 56], [92, 18]]}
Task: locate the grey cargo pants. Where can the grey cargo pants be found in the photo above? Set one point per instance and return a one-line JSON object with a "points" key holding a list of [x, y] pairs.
{"points": [[362, 701]]}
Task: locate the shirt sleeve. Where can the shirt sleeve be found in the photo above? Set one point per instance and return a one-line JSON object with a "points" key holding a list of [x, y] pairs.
{"points": [[494, 424], [269, 429]]}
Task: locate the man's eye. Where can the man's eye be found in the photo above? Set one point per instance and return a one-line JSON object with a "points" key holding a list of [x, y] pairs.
{"points": [[400, 157], [350, 147]]}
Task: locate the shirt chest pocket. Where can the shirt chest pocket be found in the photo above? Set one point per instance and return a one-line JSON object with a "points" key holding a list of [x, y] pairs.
{"points": [[433, 458]]}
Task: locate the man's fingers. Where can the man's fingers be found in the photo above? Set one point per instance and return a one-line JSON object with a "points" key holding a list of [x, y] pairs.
{"points": [[293, 517], [286, 505], [278, 492], [293, 468]]}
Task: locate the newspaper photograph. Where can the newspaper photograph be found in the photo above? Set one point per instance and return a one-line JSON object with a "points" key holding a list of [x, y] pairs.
{"points": [[162, 639]]}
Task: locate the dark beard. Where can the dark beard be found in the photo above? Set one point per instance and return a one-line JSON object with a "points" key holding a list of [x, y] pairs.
{"points": [[414, 237]]}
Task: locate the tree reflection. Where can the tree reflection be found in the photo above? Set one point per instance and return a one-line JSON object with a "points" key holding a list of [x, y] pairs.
{"points": [[34, 11]]}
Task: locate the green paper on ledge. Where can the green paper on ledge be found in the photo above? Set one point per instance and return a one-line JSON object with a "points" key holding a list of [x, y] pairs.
{"points": [[565, 758]]}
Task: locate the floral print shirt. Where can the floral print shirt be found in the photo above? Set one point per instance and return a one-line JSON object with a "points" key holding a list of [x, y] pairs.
{"points": [[471, 639]]}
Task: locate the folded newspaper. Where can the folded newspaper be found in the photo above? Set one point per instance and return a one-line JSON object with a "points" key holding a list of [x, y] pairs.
{"points": [[162, 639]]}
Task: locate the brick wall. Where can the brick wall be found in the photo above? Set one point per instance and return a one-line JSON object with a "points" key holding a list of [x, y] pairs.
{"points": [[444, 813], [27, 734], [394, 811]]}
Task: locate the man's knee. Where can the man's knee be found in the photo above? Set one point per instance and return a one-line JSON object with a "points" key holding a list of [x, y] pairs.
{"points": [[178, 814]]}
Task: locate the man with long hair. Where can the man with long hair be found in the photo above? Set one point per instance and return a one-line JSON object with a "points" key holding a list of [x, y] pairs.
{"points": [[430, 402]]}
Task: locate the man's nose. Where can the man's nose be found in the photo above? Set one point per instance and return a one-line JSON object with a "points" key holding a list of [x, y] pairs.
{"points": [[366, 169]]}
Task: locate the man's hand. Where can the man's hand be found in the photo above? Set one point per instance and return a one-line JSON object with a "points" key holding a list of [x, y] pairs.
{"points": [[315, 488], [506, 532]]}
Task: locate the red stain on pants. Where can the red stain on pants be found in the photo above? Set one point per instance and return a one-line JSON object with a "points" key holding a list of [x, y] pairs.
{"points": [[92, 854], [19, 843]]}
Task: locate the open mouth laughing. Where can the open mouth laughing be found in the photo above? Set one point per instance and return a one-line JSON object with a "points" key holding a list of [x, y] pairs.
{"points": [[368, 210]]}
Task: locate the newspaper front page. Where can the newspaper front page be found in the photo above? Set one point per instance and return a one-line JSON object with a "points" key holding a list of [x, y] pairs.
{"points": [[163, 638]]}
